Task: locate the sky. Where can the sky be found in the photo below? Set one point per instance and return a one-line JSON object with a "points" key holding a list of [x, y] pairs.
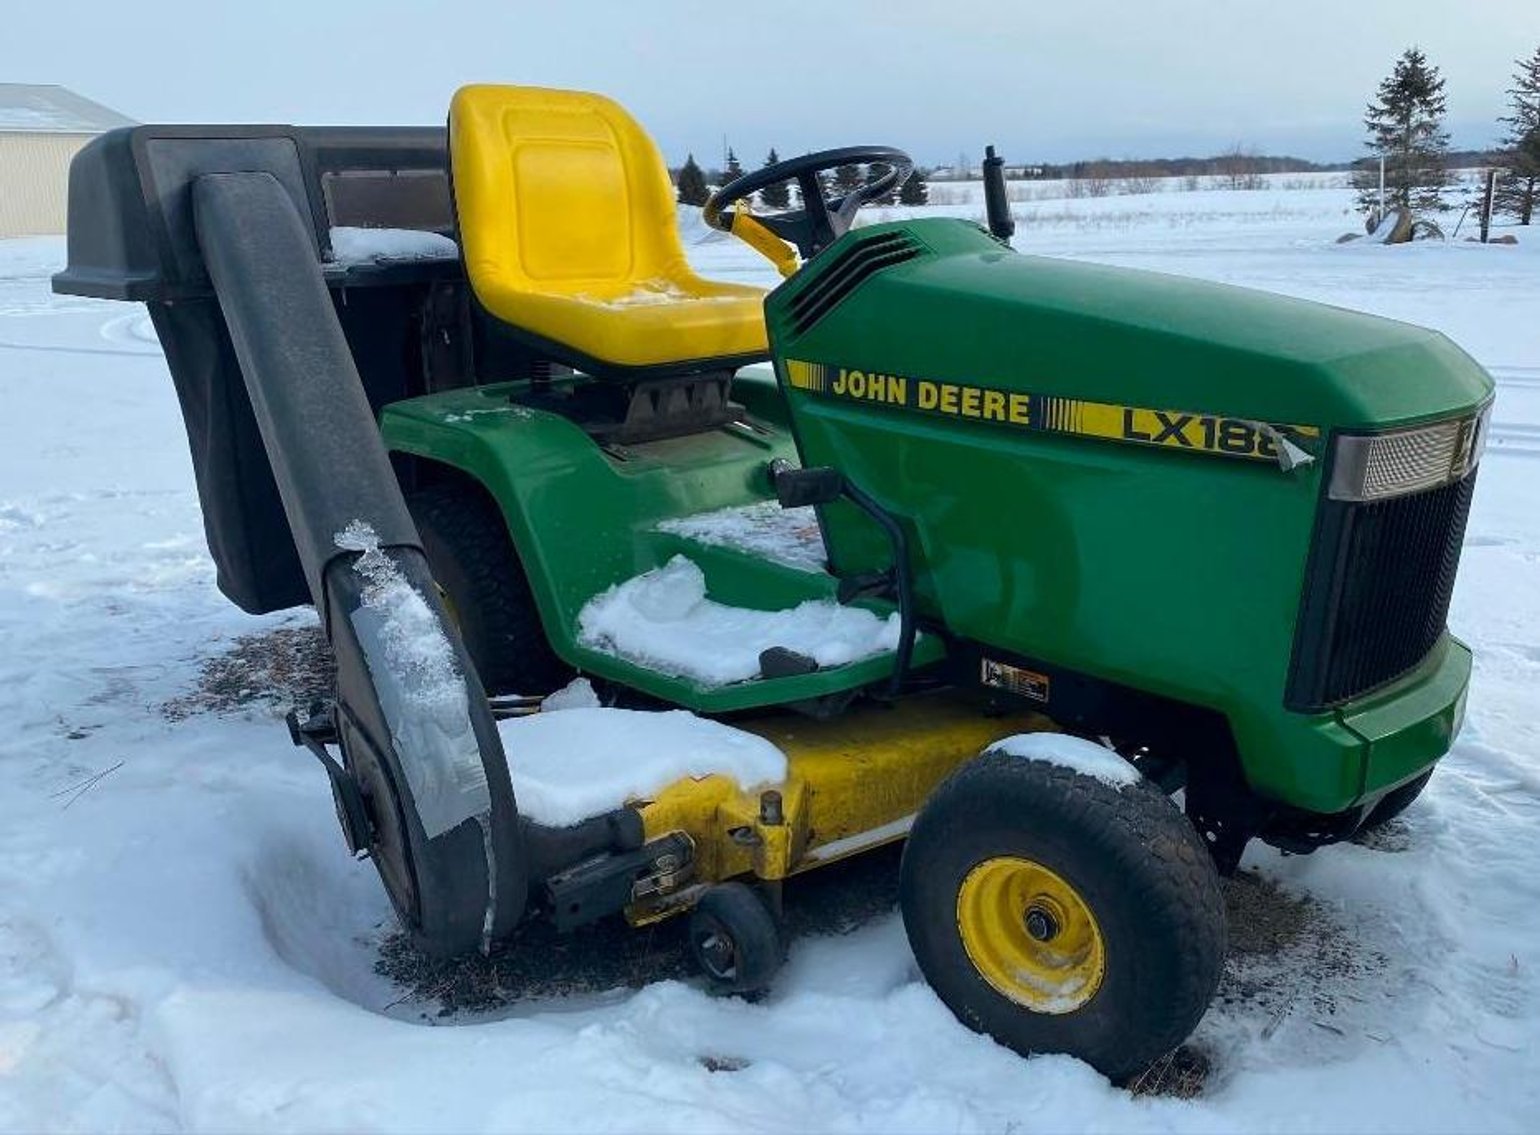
{"points": [[1043, 81]]}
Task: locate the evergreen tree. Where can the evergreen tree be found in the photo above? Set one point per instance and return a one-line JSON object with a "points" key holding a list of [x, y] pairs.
{"points": [[1518, 187], [914, 191], [1406, 128], [692, 183], [776, 196], [732, 171], [847, 178]]}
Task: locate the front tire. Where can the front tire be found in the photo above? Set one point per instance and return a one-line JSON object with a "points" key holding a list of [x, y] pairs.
{"points": [[1059, 912], [1394, 802], [735, 939]]}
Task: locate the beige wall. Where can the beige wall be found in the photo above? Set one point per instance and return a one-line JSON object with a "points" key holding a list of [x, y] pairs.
{"points": [[34, 174]]}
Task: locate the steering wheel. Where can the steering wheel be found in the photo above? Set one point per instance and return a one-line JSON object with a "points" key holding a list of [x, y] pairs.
{"points": [[821, 221]]}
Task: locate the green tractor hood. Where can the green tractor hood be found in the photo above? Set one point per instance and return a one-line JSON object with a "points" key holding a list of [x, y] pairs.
{"points": [[946, 302]]}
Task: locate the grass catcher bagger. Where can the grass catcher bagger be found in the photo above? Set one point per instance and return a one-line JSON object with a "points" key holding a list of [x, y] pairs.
{"points": [[999, 552]]}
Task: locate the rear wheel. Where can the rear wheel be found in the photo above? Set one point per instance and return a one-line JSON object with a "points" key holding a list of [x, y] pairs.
{"points": [[1058, 912], [485, 589]]}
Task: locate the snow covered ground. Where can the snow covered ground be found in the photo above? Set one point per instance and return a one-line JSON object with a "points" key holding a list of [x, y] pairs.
{"points": [[184, 944]]}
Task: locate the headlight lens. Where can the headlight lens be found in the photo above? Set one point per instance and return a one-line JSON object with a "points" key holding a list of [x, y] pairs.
{"points": [[1375, 466]]}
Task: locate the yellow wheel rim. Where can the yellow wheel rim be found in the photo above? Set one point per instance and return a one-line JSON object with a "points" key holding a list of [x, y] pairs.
{"points": [[1030, 935]]}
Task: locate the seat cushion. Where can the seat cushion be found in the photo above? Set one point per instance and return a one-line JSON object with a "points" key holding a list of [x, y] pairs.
{"points": [[653, 323], [568, 225]]}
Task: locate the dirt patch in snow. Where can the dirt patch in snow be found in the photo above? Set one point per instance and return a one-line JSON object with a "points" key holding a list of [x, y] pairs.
{"points": [[1392, 836], [1263, 919], [274, 670], [1182, 1075], [538, 964], [1289, 957]]}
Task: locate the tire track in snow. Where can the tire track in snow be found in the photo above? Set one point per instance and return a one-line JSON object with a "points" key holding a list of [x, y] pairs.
{"points": [[135, 327], [129, 334], [80, 1052], [53, 349], [1513, 439], [1522, 378]]}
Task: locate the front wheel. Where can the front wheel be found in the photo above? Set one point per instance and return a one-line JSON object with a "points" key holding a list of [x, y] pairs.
{"points": [[735, 939], [1060, 910], [1394, 802]]}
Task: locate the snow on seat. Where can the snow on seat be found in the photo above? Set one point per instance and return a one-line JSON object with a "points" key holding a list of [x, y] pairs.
{"points": [[569, 764], [663, 621], [787, 536]]}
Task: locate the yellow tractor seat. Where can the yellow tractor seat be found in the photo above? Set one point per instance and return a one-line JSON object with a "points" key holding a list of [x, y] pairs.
{"points": [[570, 236]]}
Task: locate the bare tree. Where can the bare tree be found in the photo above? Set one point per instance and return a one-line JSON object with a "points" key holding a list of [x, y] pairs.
{"points": [[1239, 168]]}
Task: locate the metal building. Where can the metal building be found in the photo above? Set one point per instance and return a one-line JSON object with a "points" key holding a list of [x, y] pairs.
{"points": [[41, 128]]}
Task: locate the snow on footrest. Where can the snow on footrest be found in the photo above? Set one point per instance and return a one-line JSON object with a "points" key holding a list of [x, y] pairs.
{"points": [[662, 620], [570, 764], [787, 536]]}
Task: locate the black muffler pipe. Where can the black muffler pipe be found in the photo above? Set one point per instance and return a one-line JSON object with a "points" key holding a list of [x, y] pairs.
{"points": [[416, 731], [1002, 226]]}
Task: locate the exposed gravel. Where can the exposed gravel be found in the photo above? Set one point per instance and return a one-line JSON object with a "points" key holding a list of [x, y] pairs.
{"points": [[274, 670]]}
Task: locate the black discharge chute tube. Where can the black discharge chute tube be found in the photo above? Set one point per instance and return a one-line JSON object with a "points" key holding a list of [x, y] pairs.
{"points": [[419, 742]]}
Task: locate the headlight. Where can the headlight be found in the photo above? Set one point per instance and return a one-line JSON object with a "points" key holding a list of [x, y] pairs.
{"points": [[1375, 466]]}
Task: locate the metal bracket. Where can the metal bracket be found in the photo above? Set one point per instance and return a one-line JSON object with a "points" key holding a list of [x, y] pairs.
{"points": [[608, 883], [315, 733]]}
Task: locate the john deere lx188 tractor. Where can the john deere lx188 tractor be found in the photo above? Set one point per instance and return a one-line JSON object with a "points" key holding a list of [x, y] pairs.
{"points": [[1103, 534]]}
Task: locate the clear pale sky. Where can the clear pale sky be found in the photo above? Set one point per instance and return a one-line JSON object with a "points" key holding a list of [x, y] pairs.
{"points": [[1046, 81]]}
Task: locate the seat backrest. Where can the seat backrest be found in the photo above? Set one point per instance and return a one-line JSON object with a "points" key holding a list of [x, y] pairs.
{"points": [[558, 192]]}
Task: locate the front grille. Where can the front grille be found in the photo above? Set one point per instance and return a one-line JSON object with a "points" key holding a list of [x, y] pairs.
{"points": [[1377, 592]]}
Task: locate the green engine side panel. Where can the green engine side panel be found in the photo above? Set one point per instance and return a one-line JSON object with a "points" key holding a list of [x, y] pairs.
{"points": [[1171, 570], [583, 520]]}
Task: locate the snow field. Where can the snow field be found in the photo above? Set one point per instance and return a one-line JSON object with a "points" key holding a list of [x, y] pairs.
{"points": [[184, 945]]}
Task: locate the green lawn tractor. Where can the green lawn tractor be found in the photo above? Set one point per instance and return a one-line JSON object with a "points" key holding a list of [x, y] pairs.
{"points": [[999, 551]]}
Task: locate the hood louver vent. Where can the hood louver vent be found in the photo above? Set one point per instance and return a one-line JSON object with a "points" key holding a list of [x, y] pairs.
{"points": [[853, 267]]}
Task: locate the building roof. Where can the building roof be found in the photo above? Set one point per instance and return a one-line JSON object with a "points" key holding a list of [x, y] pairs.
{"points": [[38, 109]]}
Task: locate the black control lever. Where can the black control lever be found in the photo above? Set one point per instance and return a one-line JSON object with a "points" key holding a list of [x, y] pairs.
{"points": [[795, 488]]}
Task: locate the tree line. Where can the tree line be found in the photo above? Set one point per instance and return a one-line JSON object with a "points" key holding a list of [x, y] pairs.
{"points": [[1405, 124], [695, 183]]}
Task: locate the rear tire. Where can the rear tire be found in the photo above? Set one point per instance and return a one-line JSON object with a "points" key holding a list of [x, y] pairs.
{"points": [[485, 589], [1059, 913]]}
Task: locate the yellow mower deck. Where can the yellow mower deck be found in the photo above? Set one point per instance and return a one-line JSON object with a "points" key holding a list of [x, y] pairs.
{"points": [[852, 783]]}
